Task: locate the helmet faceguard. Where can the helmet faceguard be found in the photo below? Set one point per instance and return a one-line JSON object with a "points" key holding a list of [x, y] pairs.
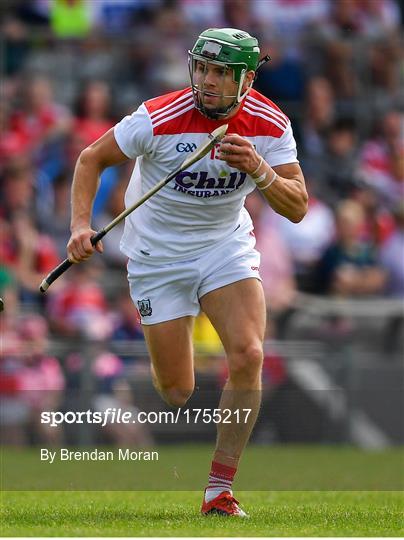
{"points": [[223, 50]]}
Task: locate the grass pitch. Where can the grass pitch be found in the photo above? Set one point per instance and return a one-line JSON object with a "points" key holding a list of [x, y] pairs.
{"points": [[177, 514], [280, 512]]}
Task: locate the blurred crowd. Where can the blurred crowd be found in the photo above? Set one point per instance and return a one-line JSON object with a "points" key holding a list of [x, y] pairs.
{"points": [[73, 68]]}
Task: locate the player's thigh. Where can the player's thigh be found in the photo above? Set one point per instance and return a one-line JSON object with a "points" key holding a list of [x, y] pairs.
{"points": [[237, 311], [171, 351]]}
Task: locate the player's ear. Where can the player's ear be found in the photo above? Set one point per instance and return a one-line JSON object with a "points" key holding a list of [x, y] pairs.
{"points": [[249, 77]]}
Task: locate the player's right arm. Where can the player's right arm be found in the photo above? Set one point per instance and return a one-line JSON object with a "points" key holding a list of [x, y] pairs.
{"points": [[103, 153]]}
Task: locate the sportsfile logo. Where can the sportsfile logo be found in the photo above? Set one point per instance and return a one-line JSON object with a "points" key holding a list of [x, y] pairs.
{"points": [[199, 184]]}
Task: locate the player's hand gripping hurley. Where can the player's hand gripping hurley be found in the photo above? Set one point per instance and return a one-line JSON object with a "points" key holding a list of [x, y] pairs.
{"points": [[213, 138]]}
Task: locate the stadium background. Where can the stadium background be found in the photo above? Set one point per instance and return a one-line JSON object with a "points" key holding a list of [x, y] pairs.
{"points": [[333, 370]]}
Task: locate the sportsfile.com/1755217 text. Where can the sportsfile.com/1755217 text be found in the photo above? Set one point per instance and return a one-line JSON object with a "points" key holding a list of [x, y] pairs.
{"points": [[114, 415]]}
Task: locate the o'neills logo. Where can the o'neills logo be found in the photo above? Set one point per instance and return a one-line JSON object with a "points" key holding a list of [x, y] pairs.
{"points": [[199, 184]]}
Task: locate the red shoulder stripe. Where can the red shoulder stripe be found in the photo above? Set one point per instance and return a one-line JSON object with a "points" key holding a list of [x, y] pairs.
{"points": [[263, 113], [168, 109], [172, 113], [175, 114], [264, 100], [245, 124], [275, 113], [163, 102]]}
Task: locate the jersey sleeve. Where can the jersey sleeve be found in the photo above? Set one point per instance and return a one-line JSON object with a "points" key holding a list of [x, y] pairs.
{"points": [[134, 133], [282, 150]]}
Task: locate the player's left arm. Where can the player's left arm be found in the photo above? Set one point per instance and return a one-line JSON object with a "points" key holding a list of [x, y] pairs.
{"points": [[287, 194], [283, 186]]}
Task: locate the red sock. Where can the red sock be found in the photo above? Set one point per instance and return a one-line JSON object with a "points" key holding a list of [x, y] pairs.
{"points": [[220, 479]]}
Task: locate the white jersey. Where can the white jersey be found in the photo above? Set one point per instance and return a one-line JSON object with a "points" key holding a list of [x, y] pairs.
{"points": [[203, 205]]}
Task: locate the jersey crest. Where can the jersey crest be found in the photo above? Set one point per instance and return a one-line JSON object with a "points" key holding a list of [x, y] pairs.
{"points": [[144, 307]]}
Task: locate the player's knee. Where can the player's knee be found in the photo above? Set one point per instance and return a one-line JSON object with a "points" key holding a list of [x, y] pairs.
{"points": [[245, 363], [176, 396], [173, 394]]}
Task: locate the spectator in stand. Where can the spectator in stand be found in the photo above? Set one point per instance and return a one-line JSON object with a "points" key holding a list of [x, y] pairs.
{"points": [[384, 72], [380, 22], [70, 19], [170, 72], [382, 158], [120, 16], [203, 14], [391, 258], [80, 309], [307, 242], [277, 272], [127, 328], [334, 37], [338, 37], [10, 338], [17, 188], [335, 172], [238, 14], [319, 115], [40, 120], [15, 44], [127, 325], [349, 265], [28, 254], [13, 411], [379, 222], [93, 119], [13, 145], [392, 255], [8, 291], [114, 206], [283, 77], [30, 380], [54, 218], [137, 70], [40, 379], [287, 20], [378, 18], [93, 111]]}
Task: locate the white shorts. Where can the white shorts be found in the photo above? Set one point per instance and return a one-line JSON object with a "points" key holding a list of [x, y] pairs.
{"points": [[169, 291]]}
